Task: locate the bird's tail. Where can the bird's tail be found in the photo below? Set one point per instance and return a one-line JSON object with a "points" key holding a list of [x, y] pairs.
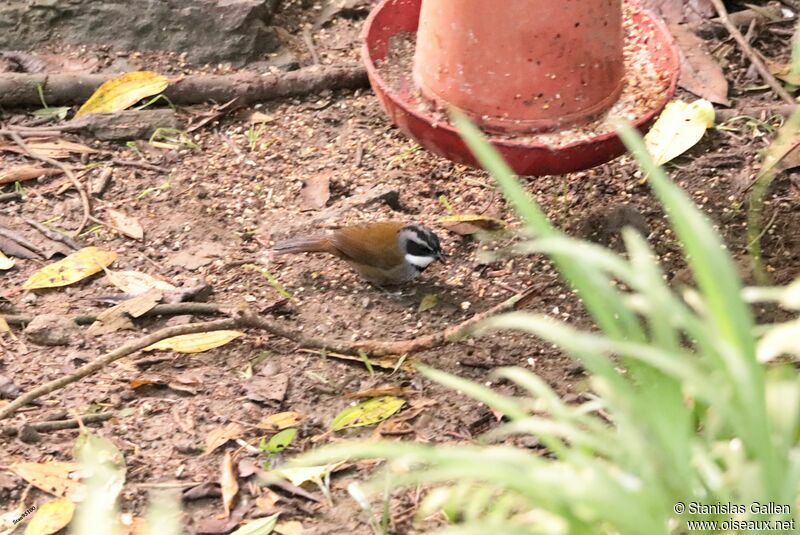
{"points": [[302, 245]]}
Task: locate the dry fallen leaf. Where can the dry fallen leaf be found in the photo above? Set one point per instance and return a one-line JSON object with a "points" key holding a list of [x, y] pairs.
{"points": [[679, 127], [220, 435], [368, 412], [281, 420], [51, 517], [316, 191], [291, 527], [383, 390], [258, 117], [267, 388], [386, 363], [700, 72], [56, 148], [5, 262], [118, 317], [127, 225], [21, 173], [227, 480], [135, 282], [784, 71], [124, 91], [73, 268], [195, 343], [260, 526], [466, 224], [52, 477]]}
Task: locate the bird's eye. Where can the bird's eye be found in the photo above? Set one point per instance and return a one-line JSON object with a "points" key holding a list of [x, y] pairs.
{"points": [[418, 249]]}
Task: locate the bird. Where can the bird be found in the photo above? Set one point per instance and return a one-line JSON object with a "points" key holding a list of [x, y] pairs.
{"points": [[385, 253]]}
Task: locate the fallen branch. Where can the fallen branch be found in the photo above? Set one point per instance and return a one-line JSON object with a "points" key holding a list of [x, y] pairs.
{"points": [[118, 126], [172, 309], [58, 425], [249, 320], [248, 87], [10, 196], [751, 54], [87, 207]]}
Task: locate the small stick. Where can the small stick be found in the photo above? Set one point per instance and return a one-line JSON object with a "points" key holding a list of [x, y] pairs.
{"points": [[58, 425], [140, 165], [123, 351], [170, 309], [87, 207], [310, 44], [53, 235], [11, 235], [750, 53], [11, 196]]}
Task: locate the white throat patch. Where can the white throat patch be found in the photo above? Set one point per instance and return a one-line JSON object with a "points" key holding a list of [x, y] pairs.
{"points": [[419, 261]]}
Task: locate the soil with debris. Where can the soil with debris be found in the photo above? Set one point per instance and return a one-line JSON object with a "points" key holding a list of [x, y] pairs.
{"points": [[237, 186]]}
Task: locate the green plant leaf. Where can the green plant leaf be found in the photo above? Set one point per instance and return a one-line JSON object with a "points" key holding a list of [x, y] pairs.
{"points": [[281, 440]]}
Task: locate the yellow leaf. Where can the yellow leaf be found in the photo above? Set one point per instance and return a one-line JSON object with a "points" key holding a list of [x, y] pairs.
{"points": [[227, 480], [5, 262], [4, 328], [428, 302], [135, 282], [281, 420], [75, 267], [298, 476], [679, 127], [50, 517], [124, 91], [53, 477], [195, 343], [220, 435], [369, 412]]}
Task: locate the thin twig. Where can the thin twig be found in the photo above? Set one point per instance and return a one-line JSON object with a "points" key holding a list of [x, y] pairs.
{"points": [[53, 235], [10, 196], [87, 207], [58, 425], [140, 165], [751, 54], [309, 40], [170, 309], [20, 239]]}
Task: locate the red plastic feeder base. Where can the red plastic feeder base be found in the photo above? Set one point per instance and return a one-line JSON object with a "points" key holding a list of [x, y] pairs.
{"points": [[535, 154]]}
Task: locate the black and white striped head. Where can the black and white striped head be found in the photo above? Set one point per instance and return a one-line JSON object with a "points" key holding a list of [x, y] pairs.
{"points": [[420, 246]]}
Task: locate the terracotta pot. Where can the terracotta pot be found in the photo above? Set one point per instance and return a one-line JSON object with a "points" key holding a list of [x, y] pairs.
{"points": [[521, 65]]}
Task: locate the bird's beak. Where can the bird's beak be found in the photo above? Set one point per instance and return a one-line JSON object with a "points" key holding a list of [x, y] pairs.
{"points": [[441, 258]]}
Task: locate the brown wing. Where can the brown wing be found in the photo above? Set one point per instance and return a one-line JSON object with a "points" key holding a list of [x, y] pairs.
{"points": [[373, 244]]}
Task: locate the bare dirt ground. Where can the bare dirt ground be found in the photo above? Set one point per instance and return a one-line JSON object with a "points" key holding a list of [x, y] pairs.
{"points": [[210, 216]]}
